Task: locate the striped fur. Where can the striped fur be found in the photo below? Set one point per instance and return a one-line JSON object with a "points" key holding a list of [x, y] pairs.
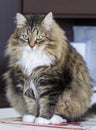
{"points": [[59, 82]]}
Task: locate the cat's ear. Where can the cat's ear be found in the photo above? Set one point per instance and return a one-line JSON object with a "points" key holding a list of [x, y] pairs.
{"points": [[48, 20], [20, 20]]}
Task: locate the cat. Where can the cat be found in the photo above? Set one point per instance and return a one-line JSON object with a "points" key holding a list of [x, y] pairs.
{"points": [[47, 79]]}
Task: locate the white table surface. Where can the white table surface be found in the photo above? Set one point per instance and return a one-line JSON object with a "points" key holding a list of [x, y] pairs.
{"points": [[10, 112]]}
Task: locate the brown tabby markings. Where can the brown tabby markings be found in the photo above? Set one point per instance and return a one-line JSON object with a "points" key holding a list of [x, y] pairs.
{"points": [[62, 81]]}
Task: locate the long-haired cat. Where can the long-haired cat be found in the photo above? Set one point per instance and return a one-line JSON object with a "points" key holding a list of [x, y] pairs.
{"points": [[47, 80]]}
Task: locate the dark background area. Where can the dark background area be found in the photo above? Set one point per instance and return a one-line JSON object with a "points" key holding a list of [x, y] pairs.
{"points": [[8, 11], [66, 12]]}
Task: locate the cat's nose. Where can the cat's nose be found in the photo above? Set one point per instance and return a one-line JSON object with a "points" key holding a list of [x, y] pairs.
{"points": [[31, 44]]}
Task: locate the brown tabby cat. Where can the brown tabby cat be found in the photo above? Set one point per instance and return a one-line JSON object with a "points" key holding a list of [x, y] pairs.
{"points": [[47, 80]]}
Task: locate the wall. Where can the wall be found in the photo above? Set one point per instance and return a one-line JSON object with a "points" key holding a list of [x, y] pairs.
{"points": [[8, 9]]}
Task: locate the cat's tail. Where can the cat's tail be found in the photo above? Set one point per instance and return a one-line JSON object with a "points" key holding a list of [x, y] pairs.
{"points": [[91, 113]]}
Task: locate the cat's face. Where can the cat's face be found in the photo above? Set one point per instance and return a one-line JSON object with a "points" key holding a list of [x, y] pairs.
{"points": [[34, 31], [36, 36]]}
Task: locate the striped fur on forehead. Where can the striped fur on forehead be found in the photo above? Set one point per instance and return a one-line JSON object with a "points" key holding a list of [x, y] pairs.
{"points": [[34, 20]]}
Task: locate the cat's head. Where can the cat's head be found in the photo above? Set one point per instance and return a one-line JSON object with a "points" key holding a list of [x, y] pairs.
{"points": [[39, 33], [34, 30]]}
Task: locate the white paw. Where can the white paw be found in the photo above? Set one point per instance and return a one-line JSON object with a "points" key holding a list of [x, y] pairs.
{"points": [[57, 120], [42, 121], [28, 118]]}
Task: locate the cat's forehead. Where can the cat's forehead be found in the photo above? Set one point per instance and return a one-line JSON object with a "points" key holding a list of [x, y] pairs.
{"points": [[34, 20]]}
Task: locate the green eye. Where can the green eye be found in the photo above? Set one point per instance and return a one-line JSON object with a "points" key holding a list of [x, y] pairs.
{"points": [[25, 37], [40, 37]]}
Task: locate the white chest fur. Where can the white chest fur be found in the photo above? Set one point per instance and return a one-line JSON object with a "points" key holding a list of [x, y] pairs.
{"points": [[33, 58]]}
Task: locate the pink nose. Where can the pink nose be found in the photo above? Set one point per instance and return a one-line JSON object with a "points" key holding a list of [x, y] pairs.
{"points": [[31, 44]]}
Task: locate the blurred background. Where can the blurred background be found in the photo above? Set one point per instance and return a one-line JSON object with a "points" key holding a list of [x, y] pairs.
{"points": [[77, 18]]}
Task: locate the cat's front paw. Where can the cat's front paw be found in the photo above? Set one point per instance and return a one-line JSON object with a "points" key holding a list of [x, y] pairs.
{"points": [[41, 121], [29, 118], [56, 119]]}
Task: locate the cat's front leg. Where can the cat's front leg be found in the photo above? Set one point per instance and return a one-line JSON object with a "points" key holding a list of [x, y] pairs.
{"points": [[31, 111], [45, 112], [47, 101], [31, 105]]}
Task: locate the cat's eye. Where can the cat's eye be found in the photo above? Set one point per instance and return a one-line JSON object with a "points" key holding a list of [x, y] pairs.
{"points": [[39, 37], [25, 37]]}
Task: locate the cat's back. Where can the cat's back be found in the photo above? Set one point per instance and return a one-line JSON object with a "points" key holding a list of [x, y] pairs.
{"points": [[77, 67]]}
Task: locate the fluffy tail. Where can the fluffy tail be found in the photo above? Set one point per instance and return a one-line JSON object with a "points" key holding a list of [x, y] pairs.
{"points": [[91, 113]]}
